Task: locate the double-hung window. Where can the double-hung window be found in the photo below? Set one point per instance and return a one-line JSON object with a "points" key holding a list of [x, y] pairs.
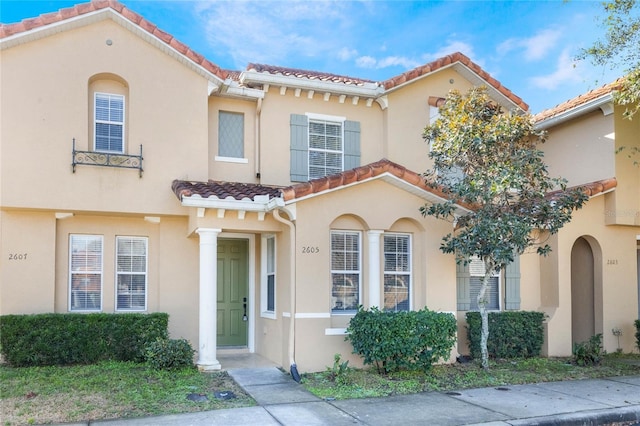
{"points": [[268, 292], [131, 273], [109, 122], [85, 272], [345, 271], [325, 148], [397, 272], [476, 275]]}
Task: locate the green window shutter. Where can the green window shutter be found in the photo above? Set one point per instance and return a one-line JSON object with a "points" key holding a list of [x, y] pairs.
{"points": [[463, 285], [512, 284], [299, 148], [351, 144]]}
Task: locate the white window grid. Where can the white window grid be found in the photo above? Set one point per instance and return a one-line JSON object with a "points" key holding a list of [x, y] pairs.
{"points": [[476, 274], [346, 271], [85, 272], [108, 127], [268, 287], [131, 273], [397, 272], [326, 147]]}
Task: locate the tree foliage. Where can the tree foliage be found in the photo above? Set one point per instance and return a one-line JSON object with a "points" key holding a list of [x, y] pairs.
{"points": [[620, 48], [487, 160]]}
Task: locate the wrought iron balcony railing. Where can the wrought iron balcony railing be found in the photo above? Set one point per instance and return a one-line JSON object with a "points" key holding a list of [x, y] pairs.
{"points": [[106, 159]]}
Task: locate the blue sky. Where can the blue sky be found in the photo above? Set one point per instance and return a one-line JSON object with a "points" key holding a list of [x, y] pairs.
{"points": [[529, 46]]}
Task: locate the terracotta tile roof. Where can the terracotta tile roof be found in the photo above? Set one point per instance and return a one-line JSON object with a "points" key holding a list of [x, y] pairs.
{"points": [[7, 30], [598, 187], [448, 60], [223, 190], [311, 75], [577, 101], [357, 175]]}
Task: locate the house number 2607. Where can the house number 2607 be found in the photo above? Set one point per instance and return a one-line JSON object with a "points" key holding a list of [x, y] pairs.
{"points": [[310, 250], [17, 256]]}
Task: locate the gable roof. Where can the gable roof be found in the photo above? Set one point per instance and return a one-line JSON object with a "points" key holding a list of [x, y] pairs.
{"points": [[217, 194], [85, 13]]}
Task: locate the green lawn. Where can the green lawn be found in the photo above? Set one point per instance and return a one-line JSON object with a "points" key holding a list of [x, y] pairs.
{"points": [[38, 395], [368, 383]]}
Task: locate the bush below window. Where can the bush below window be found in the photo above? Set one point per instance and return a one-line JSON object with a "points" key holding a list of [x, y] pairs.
{"points": [[169, 354], [516, 334], [61, 339], [402, 340]]}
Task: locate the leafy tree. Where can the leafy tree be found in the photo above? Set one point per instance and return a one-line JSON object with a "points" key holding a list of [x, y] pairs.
{"points": [[620, 47], [487, 161]]}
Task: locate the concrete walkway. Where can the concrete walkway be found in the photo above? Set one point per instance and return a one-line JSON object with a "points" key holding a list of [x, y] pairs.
{"points": [[282, 401]]}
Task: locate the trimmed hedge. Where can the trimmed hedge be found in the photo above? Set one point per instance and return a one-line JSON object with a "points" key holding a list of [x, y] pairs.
{"points": [[402, 340], [61, 339], [637, 323], [512, 334]]}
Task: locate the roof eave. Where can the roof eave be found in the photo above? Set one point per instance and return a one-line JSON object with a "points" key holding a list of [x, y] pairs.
{"points": [[604, 103], [258, 204], [367, 90]]}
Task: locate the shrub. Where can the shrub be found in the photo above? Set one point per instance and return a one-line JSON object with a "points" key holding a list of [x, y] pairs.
{"points": [[512, 334], [61, 339], [637, 323], [589, 352], [169, 354], [402, 340], [339, 373]]}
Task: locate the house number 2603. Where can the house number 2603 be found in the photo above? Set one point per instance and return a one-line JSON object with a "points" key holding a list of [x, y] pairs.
{"points": [[310, 250], [17, 256]]}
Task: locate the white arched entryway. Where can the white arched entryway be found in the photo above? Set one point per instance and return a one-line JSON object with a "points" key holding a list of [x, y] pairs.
{"points": [[586, 289]]}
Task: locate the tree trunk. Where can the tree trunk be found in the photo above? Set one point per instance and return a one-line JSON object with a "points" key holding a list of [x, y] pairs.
{"points": [[484, 315]]}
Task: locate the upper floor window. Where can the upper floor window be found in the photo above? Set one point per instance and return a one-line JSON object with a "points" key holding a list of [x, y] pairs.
{"points": [[131, 273], [345, 271], [109, 122], [85, 272], [230, 135], [325, 148], [322, 145], [397, 272]]}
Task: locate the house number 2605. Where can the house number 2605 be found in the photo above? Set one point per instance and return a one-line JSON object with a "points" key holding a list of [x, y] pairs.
{"points": [[17, 256], [310, 250]]}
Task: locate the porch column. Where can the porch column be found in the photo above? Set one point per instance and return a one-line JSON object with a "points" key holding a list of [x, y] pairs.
{"points": [[207, 359], [374, 267]]}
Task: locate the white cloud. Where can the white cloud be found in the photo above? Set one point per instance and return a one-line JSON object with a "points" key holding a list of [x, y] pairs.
{"points": [[386, 62], [451, 47], [567, 71], [345, 53], [535, 47], [366, 62]]}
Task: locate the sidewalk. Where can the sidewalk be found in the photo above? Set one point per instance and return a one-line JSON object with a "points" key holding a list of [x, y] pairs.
{"points": [[285, 402]]}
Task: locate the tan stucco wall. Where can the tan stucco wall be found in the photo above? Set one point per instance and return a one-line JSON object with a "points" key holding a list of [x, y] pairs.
{"points": [[46, 100], [582, 150]]}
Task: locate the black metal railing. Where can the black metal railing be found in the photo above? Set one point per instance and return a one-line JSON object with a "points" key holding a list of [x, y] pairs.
{"points": [[106, 159]]}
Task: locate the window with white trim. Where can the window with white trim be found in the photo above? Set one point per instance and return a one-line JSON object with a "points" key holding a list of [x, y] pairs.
{"points": [[325, 148], [397, 272], [108, 122], [85, 272], [131, 273], [230, 135], [345, 271], [268, 291], [476, 275]]}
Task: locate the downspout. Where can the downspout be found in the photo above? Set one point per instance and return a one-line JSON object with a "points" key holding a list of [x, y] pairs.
{"points": [[292, 292], [257, 138]]}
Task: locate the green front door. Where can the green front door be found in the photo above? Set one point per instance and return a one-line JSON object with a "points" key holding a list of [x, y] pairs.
{"points": [[233, 309]]}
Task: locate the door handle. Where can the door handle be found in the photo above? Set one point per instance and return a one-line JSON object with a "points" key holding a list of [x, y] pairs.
{"points": [[244, 305]]}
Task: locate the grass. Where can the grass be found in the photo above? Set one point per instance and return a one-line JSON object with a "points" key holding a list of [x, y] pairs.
{"points": [[363, 383], [40, 395]]}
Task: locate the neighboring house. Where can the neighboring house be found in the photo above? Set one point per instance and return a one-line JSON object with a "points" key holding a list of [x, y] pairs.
{"points": [[260, 208]]}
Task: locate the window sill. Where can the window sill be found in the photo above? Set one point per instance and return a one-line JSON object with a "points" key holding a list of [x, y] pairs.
{"points": [[232, 160], [269, 315], [335, 332]]}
